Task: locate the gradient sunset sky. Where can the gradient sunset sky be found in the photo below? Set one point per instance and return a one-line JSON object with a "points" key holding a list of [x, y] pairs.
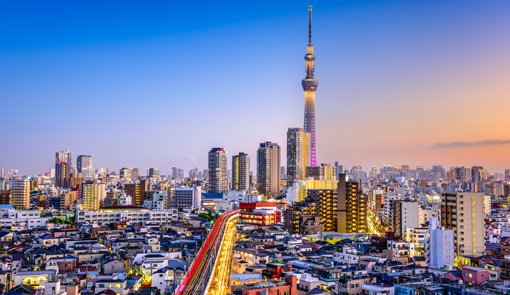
{"points": [[158, 83]]}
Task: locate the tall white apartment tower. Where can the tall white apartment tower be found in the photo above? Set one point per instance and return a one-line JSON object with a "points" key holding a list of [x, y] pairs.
{"points": [[439, 245]]}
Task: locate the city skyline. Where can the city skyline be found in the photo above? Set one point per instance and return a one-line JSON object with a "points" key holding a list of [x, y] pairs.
{"points": [[432, 90]]}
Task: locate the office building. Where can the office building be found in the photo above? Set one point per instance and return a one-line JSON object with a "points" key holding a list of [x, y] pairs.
{"points": [[188, 197], [478, 174], [153, 173], [240, 172], [464, 214], [63, 168], [20, 193], [125, 173], [352, 207], [135, 174], [310, 86], [339, 169], [268, 169], [298, 153], [217, 171], [84, 166]]}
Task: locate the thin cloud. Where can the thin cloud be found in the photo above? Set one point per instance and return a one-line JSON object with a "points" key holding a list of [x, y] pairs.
{"points": [[461, 144]]}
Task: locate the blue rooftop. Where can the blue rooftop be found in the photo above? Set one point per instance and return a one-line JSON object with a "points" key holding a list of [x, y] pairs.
{"points": [[212, 196]]}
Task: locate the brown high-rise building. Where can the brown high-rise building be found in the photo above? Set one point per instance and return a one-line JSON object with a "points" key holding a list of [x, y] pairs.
{"points": [[217, 170], [5, 197], [137, 191], [63, 168], [268, 169], [352, 207], [379, 202]]}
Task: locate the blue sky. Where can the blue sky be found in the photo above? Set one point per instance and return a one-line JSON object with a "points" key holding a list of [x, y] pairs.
{"points": [[157, 84]]}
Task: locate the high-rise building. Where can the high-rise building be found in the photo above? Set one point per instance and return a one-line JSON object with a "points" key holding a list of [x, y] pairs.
{"points": [[283, 172], [137, 191], [241, 172], [153, 173], [20, 193], [404, 214], [175, 173], [2, 172], [90, 195], [84, 166], [217, 171], [464, 214], [5, 197], [268, 168], [373, 172], [478, 174], [63, 168], [339, 169], [310, 86], [352, 207], [135, 174], [298, 153], [327, 202], [439, 245], [126, 173]]}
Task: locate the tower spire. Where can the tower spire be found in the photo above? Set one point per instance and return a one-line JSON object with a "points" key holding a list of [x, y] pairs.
{"points": [[310, 84], [310, 24]]}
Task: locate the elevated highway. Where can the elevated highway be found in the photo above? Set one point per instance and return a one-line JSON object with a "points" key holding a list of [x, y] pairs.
{"points": [[210, 271]]}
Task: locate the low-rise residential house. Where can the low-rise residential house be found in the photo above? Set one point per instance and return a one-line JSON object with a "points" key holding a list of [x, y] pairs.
{"points": [[349, 255], [116, 285], [34, 279], [475, 275], [354, 284], [113, 266], [378, 289]]}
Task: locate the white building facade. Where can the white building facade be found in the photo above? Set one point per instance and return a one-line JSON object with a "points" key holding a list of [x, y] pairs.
{"points": [[439, 245]]}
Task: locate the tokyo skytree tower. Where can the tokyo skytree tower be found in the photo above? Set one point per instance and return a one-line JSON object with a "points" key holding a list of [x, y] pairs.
{"points": [[310, 84]]}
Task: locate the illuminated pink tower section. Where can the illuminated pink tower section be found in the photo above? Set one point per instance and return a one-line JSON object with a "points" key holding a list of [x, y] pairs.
{"points": [[310, 86]]}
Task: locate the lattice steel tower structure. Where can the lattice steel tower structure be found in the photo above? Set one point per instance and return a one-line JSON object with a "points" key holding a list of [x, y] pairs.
{"points": [[310, 84]]}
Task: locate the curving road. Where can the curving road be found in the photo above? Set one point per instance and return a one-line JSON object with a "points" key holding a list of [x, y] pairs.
{"points": [[210, 271]]}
